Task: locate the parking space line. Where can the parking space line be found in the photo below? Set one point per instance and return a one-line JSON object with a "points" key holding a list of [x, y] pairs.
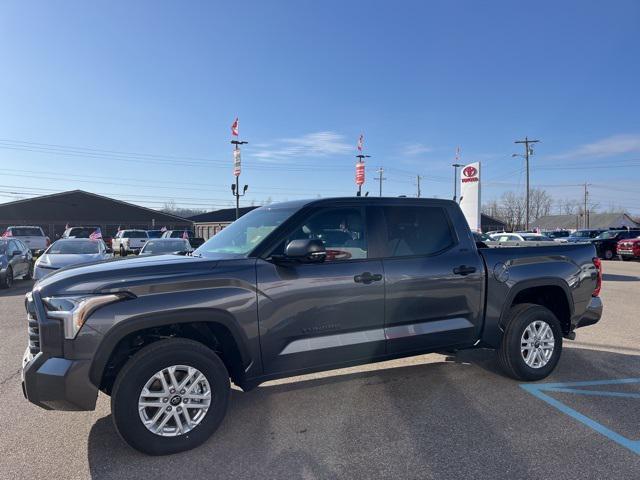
{"points": [[570, 387]]}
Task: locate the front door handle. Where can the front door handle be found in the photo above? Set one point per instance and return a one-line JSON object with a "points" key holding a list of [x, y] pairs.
{"points": [[464, 270], [367, 278]]}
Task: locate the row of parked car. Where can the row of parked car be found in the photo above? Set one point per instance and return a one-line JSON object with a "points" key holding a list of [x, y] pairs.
{"points": [[609, 244], [26, 252]]}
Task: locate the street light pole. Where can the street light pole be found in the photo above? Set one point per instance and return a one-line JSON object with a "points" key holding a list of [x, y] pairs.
{"points": [[235, 187], [361, 158], [527, 151]]}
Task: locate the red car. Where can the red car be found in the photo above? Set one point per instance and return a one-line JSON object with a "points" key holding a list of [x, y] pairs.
{"points": [[629, 248]]}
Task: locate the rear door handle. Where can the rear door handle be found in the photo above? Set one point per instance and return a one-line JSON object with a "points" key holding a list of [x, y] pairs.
{"points": [[464, 270], [367, 278]]}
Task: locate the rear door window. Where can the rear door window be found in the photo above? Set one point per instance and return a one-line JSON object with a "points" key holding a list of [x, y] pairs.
{"points": [[417, 231], [26, 232]]}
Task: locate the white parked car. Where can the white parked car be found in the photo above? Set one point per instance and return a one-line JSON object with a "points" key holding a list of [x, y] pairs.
{"points": [[33, 237], [519, 238], [129, 241], [69, 251]]}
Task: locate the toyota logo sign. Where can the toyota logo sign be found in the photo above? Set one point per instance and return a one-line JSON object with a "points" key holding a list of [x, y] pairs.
{"points": [[470, 171]]}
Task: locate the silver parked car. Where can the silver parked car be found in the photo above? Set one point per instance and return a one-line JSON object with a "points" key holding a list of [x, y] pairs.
{"points": [[15, 261], [69, 251]]}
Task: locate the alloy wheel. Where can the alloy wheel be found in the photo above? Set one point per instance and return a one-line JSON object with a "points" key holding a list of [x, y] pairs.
{"points": [[174, 400], [537, 344]]}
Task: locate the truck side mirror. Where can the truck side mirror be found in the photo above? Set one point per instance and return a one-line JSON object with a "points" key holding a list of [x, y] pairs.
{"points": [[306, 250]]}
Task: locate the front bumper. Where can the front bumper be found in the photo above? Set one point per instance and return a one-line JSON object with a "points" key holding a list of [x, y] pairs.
{"points": [[592, 314], [55, 383]]}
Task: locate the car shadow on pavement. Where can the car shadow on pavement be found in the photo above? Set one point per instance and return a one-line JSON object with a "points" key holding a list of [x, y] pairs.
{"points": [[614, 277], [20, 287], [442, 419]]}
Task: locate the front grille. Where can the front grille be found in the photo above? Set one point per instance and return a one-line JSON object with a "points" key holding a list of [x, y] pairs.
{"points": [[32, 326]]}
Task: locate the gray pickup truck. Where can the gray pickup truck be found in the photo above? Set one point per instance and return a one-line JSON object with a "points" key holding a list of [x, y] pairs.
{"points": [[289, 289]]}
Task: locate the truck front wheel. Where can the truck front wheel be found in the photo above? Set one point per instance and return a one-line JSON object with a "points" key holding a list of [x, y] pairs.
{"points": [[170, 396], [532, 343]]}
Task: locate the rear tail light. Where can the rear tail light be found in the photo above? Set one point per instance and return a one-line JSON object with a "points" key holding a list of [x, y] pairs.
{"points": [[598, 264]]}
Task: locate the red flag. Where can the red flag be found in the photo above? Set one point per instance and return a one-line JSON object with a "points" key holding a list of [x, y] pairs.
{"points": [[7, 233], [360, 142], [234, 128]]}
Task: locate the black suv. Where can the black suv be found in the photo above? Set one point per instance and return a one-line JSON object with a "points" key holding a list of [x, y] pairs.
{"points": [[606, 243]]}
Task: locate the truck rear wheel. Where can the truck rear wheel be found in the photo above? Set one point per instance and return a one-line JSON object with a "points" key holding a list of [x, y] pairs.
{"points": [[532, 343], [170, 397]]}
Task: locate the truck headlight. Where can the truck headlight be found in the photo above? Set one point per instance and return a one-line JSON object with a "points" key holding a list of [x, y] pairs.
{"points": [[74, 311]]}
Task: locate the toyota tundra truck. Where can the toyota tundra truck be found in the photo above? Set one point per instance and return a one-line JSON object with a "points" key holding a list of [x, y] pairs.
{"points": [[289, 289]]}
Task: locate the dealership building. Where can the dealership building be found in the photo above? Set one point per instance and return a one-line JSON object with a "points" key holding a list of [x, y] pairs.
{"points": [[206, 225], [80, 208]]}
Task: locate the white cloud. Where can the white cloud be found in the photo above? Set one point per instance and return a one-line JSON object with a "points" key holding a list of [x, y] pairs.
{"points": [[318, 144], [416, 149], [614, 145]]}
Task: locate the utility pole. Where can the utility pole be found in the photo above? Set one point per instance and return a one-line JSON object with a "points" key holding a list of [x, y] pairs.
{"points": [[527, 151], [586, 210], [380, 178], [237, 166], [418, 178]]}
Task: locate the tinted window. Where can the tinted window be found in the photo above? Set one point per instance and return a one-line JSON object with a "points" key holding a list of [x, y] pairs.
{"points": [[180, 233], [134, 234], [26, 232], [165, 246], [154, 233], [417, 231], [340, 229], [62, 247], [81, 232]]}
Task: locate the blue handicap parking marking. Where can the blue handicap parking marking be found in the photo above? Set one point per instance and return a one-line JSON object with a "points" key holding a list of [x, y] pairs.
{"points": [[539, 390]]}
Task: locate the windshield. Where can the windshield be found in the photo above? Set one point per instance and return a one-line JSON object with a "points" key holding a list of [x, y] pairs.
{"points": [[26, 232], [154, 233], [165, 246], [582, 234], [605, 235], [180, 233], [134, 234], [559, 234], [62, 247], [246, 233]]}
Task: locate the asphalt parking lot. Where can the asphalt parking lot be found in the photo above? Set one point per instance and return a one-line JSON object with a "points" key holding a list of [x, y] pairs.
{"points": [[425, 417]]}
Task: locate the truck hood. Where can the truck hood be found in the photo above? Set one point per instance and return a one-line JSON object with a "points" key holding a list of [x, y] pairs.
{"points": [[120, 274]]}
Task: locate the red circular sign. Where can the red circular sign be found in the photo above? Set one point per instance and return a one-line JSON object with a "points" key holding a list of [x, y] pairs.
{"points": [[470, 171]]}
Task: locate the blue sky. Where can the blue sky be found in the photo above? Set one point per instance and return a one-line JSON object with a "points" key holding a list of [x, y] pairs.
{"points": [[160, 83]]}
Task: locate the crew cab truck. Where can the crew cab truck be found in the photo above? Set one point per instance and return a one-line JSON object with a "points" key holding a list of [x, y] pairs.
{"points": [[129, 241], [289, 289], [33, 237]]}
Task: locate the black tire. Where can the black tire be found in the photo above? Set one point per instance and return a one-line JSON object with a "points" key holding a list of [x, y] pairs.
{"points": [[123, 252], [6, 280], [510, 356], [141, 367], [29, 272]]}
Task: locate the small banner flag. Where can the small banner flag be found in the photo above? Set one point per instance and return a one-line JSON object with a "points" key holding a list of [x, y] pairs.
{"points": [[234, 127], [7, 233], [96, 235], [360, 145], [236, 162], [163, 229]]}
